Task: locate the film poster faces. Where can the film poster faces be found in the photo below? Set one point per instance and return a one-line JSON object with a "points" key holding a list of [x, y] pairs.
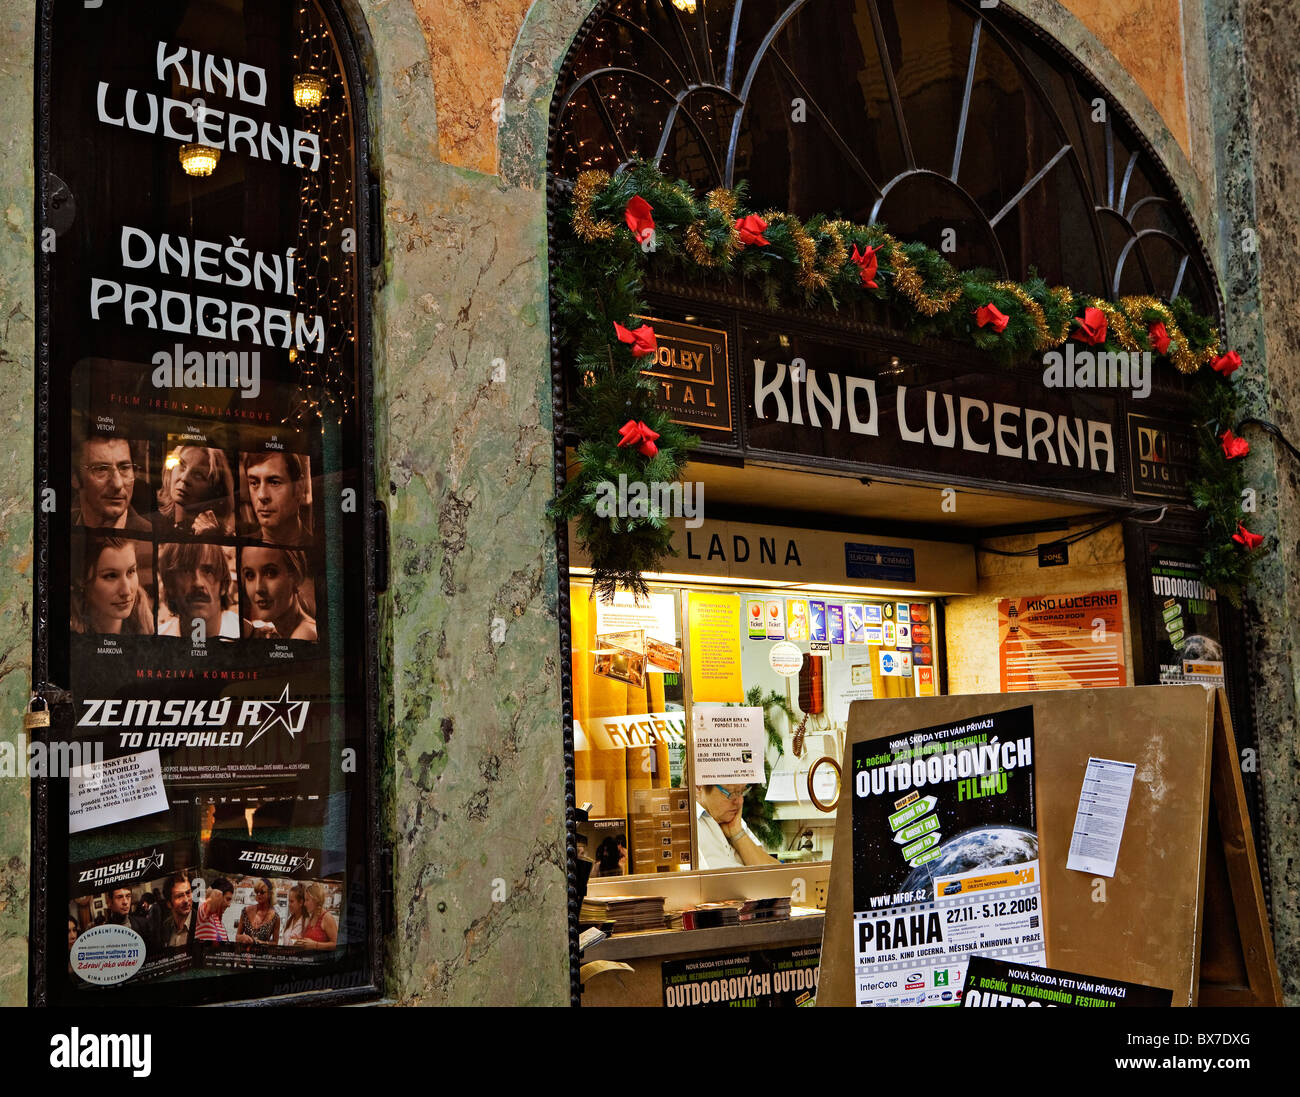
{"points": [[275, 497], [278, 592], [197, 495], [111, 585], [199, 598]]}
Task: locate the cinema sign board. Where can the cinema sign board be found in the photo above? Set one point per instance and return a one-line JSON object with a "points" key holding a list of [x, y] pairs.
{"points": [[862, 403], [860, 406]]}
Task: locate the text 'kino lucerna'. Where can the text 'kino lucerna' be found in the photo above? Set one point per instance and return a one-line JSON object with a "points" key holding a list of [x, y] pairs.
{"points": [[1024, 433]]}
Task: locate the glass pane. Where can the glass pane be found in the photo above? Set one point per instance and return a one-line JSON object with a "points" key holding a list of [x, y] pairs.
{"points": [[801, 658], [629, 733]]}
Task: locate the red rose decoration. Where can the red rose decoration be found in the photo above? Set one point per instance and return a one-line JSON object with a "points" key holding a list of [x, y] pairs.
{"points": [[991, 314], [640, 218], [1092, 328], [1243, 536], [1233, 446], [1227, 364], [642, 340], [866, 266], [1159, 338], [751, 229], [637, 434]]}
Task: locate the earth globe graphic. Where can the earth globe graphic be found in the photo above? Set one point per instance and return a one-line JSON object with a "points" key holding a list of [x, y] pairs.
{"points": [[980, 847], [1197, 646]]}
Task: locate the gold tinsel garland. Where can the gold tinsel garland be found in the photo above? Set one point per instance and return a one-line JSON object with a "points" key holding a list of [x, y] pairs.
{"points": [[589, 184], [1042, 334], [1116, 321], [838, 254], [805, 249], [1125, 318], [722, 201], [1183, 357]]}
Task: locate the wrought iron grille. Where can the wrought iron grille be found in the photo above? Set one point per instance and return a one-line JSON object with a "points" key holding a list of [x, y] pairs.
{"points": [[966, 129]]}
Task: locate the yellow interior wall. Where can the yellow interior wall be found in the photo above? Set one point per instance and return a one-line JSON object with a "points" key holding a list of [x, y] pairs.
{"points": [[1096, 563]]}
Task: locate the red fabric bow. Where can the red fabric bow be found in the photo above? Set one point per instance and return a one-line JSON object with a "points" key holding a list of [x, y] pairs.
{"points": [[1243, 536], [866, 265], [637, 434], [1233, 446], [642, 340], [1159, 338], [1092, 328], [640, 218], [751, 228], [991, 314], [1227, 364]]}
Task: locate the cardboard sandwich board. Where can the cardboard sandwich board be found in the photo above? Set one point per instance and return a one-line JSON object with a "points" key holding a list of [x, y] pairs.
{"points": [[1186, 830]]}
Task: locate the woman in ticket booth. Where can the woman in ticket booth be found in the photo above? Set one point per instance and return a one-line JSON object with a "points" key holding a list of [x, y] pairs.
{"points": [[725, 840]]}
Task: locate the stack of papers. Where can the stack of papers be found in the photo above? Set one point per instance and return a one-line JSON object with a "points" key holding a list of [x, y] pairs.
{"points": [[629, 913]]}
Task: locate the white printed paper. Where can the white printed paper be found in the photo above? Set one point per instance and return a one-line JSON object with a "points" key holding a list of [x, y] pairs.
{"points": [[729, 746], [1099, 821], [115, 789], [657, 615]]}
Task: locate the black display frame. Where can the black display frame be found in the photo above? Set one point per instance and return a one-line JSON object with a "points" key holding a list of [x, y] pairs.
{"points": [[50, 845], [1181, 528]]}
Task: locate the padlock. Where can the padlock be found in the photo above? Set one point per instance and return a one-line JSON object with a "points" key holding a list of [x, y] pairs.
{"points": [[35, 717]]}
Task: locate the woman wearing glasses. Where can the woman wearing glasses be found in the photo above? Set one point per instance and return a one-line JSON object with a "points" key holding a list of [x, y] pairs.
{"points": [[725, 840], [107, 596]]}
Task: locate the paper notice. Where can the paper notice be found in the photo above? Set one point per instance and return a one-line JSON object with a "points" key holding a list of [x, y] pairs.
{"points": [[114, 790], [729, 745], [1099, 822]]}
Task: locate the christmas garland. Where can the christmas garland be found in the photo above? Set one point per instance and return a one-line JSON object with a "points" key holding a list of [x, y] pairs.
{"points": [[617, 228]]}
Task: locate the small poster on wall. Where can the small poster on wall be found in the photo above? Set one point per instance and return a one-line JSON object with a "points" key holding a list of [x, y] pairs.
{"points": [[1061, 641], [729, 746]]}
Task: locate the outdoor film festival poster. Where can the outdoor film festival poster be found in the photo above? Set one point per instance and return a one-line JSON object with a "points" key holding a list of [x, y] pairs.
{"points": [[206, 459], [945, 857]]}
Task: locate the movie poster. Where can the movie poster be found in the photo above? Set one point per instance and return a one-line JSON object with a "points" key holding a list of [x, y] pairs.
{"points": [[769, 977], [995, 984], [148, 890], [268, 905], [945, 857], [207, 470], [1188, 647]]}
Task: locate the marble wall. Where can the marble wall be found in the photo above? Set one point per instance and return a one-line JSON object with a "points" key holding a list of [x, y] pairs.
{"points": [[1255, 96], [17, 447]]}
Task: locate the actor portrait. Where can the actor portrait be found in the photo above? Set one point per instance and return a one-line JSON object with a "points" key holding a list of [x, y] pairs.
{"points": [[196, 582], [278, 593], [110, 581], [171, 922], [259, 923], [322, 928], [278, 501], [209, 926], [296, 922], [197, 497], [104, 472]]}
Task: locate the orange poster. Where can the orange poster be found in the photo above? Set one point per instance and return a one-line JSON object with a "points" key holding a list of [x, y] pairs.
{"points": [[1061, 641], [714, 622]]}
